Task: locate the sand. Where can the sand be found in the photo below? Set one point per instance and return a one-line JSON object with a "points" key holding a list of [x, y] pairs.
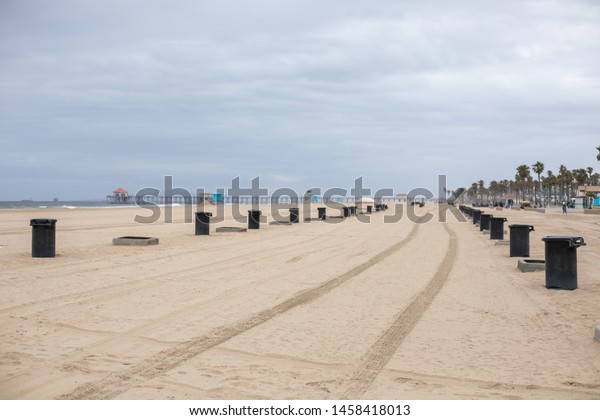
{"points": [[310, 311]]}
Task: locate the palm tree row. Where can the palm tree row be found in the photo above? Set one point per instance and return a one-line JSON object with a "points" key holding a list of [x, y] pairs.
{"points": [[546, 189]]}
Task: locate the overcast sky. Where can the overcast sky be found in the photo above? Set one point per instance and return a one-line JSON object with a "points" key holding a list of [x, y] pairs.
{"points": [[100, 94]]}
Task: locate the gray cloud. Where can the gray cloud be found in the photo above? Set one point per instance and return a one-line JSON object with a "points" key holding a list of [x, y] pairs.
{"points": [[95, 95]]}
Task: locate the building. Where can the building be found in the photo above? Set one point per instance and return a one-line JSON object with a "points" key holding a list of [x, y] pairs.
{"points": [[119, 196], [588, 194], [363, 203]]}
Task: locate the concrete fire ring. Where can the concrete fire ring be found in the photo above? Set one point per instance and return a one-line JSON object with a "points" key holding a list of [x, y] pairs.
{"points": [[135, 241], [527, 265]]}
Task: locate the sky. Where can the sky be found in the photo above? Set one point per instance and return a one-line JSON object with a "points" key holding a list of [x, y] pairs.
{"points": [[96, 95]]}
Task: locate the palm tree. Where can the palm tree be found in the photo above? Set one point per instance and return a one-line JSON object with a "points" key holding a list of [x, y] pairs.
{"points": [[562, 180], [458, 193], [538, 168], [472, 191], [581, 176], [550, 182], [481, 187], [521, 178], [495, 190], [569, 184]]}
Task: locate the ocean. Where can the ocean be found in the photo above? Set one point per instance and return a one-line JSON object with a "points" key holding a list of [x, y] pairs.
{"points": [[32, 204]]}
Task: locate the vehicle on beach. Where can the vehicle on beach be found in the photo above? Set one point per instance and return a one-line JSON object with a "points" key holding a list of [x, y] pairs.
{"points": [[419, 201]]}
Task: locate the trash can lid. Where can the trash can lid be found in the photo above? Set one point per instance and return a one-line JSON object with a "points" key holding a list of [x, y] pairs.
{"points": [[574, 241], [255, 211], [204, 212], [42, 222], [519, 226]]}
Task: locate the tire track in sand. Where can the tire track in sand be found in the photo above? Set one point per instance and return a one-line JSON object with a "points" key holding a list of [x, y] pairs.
{"points": [[140, 329], [119, 382], [375, 359], [91, 295]]}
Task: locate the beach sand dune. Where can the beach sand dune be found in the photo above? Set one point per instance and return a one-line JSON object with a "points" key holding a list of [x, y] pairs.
{"points": [[316, 310]]}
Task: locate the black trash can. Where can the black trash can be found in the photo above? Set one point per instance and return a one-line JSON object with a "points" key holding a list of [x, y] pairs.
{"points": [[254, 219], [561, 261], [519, 240], [476, 216], [497, 227], [484, 222], [294, 215], [203, 223], [322, 212], [43, 238], [369, 209], [346, 211]]}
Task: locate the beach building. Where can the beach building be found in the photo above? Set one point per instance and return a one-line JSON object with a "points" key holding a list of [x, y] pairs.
{"points": [[119, 196], [363, 203], [218, 198], [587, 193]]}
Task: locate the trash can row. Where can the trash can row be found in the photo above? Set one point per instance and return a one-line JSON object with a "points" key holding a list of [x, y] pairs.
{"points": [[203, 218], [43, 241], [560, 251]]}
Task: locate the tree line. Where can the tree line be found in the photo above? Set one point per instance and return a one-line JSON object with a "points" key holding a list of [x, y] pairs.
{"points": [[531, 184]]}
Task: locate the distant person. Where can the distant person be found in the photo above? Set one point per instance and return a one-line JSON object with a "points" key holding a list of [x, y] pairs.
{"points": [[564, 207]]}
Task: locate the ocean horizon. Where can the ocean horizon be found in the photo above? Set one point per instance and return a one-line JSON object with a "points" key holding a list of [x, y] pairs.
{"points": [[70, 204]]}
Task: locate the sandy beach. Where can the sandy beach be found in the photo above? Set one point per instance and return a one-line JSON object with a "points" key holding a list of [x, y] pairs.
{"points": [[310, 311]]}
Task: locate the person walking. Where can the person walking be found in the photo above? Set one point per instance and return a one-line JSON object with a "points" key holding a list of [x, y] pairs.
{"points": [[564, 207]]}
